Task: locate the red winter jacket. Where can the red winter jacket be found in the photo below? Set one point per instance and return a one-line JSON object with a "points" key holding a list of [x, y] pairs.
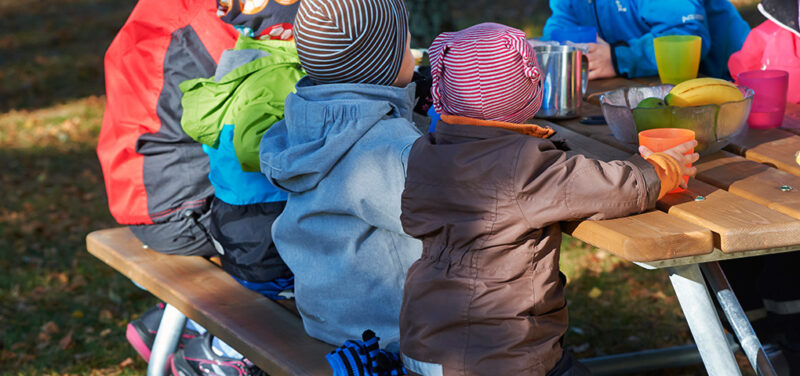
{"points": [[152, 169]]}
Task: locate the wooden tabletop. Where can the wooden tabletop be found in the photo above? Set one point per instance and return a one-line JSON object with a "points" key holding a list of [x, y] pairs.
{"points": [[743, 202]]}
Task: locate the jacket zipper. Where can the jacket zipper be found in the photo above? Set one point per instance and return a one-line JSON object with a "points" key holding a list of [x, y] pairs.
{"points": [[597, 20]]}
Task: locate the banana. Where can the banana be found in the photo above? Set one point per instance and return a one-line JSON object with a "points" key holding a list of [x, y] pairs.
{"points": [[703, 91], [797, 157]]}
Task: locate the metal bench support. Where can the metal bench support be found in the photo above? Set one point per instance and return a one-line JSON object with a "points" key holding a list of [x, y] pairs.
{"points": [[697, 306], [167, 337], [738, 320]]}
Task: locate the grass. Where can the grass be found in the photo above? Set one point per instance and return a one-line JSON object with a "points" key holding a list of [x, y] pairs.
{"points": [[62, 312]]}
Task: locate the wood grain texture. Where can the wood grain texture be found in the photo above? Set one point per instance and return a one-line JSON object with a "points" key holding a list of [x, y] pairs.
{"points": [[791, 118], [650, 236], [751, 180], [580, 144], [595, 133], [738, 224], [774, 147], [266, 333]]}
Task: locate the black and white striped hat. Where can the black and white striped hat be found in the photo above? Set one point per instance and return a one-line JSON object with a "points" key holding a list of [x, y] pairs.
{"points": [[351, 41]]}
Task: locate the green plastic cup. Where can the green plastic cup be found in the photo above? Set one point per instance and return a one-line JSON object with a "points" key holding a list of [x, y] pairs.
{"points": [[677, 57]]}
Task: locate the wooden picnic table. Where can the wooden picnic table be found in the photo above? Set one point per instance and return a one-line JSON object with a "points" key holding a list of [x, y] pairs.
{"points": [[744, 213], [744, 202]]}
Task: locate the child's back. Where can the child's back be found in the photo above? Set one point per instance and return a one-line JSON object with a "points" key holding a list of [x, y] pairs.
{"points": [[229, 113], [486, 198], [341, 153], [486, 202]]}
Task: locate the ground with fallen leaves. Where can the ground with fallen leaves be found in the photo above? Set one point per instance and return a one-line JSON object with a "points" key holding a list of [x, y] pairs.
{"points": [[62, 312]]}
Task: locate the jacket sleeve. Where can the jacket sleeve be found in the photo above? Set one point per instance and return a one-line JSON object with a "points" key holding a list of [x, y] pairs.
{"points": [[201, 111], [563, 16], [636, 57], [553, 188], [389, 163], [258, 113], [252, 121]]}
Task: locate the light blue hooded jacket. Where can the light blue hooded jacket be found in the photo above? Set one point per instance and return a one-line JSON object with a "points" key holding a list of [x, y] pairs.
{"points": [[629, 26], [341, 153]]}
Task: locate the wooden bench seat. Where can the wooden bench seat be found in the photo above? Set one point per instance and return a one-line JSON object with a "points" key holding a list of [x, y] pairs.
{"points": [[267, 333]]}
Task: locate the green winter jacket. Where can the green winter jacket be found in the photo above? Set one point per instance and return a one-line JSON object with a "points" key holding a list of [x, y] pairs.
{"points": [[250, 96]]}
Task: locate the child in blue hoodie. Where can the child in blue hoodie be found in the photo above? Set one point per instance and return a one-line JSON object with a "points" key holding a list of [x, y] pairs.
{"points": [[626, 29], [341, 153]]}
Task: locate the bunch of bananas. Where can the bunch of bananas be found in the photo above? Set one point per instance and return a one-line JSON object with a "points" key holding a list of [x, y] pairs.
{"points": [[703, 91]]}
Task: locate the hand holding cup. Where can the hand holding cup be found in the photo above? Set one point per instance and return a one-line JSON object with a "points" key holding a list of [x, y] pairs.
{"points": [[682, 154]]}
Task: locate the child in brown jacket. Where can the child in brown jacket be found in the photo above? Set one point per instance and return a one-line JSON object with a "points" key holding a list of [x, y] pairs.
{"points": [[485, 194]]}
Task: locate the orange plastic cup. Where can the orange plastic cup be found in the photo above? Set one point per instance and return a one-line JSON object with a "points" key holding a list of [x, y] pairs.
{"points": [[661, 139]]}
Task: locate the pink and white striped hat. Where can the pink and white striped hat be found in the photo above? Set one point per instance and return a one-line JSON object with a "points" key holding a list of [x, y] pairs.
{"points": [[487, 71]]}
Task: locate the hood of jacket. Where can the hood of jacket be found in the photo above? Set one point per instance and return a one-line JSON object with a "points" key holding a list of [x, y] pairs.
{"points": [[322, 123]]}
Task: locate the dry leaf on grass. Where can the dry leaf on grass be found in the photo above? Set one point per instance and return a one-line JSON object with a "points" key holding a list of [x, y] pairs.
{"points": [[50, 327], [126, 363], [105, 315], [66, 342]]}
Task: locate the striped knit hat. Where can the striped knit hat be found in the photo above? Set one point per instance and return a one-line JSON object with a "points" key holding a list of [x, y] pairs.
{"points": [[351, 41], [487, 71]]}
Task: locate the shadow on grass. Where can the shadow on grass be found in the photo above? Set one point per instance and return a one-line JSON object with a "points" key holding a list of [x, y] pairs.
{"points": [[53, 51], [63, 311]]}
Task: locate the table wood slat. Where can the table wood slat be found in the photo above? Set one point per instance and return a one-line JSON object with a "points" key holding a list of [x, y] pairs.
{"points": [[596, 132], [791, 118], [266, 333], [775, 147], [646, 237], [738, 224], [580, 144], [753, 181]]}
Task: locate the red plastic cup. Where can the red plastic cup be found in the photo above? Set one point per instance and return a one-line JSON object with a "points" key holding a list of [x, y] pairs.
{"points": [[769, 101], [661, 139]]}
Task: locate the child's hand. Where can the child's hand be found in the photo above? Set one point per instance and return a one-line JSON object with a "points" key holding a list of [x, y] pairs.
{"points": [[677, 152], [600, 63]]}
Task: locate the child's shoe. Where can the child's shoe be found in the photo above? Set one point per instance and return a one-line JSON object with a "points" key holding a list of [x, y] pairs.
{"points": [[197, 358], [141, 333]]}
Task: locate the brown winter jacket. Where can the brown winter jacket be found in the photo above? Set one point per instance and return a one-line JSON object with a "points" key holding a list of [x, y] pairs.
{"points": [[486, 297]]}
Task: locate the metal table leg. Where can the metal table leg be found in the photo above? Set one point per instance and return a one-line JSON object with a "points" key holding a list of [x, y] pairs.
{"points": [[702, 319], [738, 320], [169, 332]]}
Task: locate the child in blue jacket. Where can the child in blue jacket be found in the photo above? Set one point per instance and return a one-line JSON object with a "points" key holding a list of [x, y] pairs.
{"points": [[626, 29], [341, 154]]}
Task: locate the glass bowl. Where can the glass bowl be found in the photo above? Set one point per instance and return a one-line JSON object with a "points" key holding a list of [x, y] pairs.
{"points": [[714, 125]]}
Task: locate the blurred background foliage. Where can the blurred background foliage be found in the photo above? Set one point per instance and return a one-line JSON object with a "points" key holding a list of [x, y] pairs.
{"points": [[62, 312]]}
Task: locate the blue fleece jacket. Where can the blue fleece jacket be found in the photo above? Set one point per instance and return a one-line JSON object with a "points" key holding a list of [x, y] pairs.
{"points": [[629, 26], [341, 153]]}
